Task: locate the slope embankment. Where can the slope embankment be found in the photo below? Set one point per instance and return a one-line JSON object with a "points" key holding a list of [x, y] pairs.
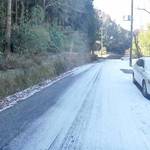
{"points": [[18, 73]]}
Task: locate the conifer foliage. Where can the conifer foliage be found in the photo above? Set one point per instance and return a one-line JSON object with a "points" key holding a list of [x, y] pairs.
{"points": [[46, 25]]}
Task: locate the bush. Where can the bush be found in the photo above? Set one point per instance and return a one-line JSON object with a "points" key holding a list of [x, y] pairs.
{"points": [[32, 38], [57, 38]]}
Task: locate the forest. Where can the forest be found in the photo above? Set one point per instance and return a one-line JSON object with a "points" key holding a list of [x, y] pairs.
{"points": [[46, 26], [39, 26]]}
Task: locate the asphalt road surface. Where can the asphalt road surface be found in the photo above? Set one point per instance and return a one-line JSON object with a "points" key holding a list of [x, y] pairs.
{"points": [[96, 108]]}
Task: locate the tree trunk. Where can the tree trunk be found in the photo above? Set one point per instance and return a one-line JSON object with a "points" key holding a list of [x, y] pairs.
{"points": [[27, 10], [8, 29], [16, 16], [22, 13]]}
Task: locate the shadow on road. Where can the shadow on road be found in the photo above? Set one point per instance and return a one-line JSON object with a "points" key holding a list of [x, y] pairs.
{"points": [[128, 71], [140, 88]]}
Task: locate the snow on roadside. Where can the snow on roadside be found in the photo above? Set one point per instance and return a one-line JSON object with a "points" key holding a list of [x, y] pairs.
{"points": [[139, 105], [11, 100]]}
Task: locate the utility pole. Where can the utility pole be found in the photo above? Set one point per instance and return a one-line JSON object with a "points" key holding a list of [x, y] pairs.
{"points": [[101, 33], [101, 40], [130, 63]]}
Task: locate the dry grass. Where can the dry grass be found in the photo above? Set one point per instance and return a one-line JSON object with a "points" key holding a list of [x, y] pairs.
{"points": [[17, 80], [18, 73]]}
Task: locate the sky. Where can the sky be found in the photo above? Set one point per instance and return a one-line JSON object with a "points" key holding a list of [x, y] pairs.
{"points": [[119, 8]]}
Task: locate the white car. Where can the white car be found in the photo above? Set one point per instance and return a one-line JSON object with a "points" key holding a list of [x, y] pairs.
{"points": [[141, 74]]}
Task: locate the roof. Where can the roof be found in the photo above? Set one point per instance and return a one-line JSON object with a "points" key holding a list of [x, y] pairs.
{"points": [[145, 58]]}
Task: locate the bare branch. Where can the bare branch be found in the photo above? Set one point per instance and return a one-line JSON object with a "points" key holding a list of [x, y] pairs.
{"points": [[144, 10]]}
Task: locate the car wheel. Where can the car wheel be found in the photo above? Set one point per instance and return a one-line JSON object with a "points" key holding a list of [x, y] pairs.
{"points": [[133, 78], [144, 90]]}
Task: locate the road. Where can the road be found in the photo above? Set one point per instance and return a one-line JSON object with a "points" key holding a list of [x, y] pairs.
{"points": [[96, 108]]}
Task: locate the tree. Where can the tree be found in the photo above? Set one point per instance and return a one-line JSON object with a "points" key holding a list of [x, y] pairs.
{"points": [[114, 38], [8, 28], [144, 42], [136, 43], [2, 25]]}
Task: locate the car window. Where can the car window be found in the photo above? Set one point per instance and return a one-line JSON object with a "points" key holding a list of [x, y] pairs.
{"points": [[147, 65], [140, 63]]}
